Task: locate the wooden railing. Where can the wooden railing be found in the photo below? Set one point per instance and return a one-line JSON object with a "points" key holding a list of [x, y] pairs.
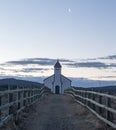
{"points": [[101, 104], [16, 98]]}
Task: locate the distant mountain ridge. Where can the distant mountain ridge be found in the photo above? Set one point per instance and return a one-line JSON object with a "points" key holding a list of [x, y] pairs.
{"points": [[104, 89], [109, 89], [17, 82]]}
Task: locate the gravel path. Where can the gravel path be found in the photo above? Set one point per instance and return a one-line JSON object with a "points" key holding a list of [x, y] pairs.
{"points": [[60, 112]]}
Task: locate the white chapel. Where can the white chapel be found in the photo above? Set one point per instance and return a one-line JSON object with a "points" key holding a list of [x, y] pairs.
{"points": [[57, 82]]}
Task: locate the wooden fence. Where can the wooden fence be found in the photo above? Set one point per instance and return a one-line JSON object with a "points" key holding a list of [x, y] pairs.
{"points": [[103, 105], [18, 97]]}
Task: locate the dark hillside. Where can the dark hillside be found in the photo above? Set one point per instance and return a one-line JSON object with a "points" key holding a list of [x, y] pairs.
{"points": [[104, 89], [13, 83]]}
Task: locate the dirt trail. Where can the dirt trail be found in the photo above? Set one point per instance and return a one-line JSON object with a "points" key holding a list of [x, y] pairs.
{"points": [[60, 112]]}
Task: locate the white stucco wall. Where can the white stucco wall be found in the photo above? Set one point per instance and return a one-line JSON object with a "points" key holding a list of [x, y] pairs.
{"points": [[48, 82], [66, 83]]}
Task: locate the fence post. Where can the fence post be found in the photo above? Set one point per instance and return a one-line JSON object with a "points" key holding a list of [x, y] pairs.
{"points": [[109, 115], [10, 100], [19, 97], [29, 94], [89, 96], [37, 94], [81, 100], [24, 95], [32, 95], [86, 102], [100, 101], [93, 98], [0, 109]]}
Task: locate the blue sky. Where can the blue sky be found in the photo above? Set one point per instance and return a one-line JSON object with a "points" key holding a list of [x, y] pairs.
{"points": [[68, 29]]}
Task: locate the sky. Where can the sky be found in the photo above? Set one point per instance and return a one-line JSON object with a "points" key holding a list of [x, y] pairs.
{"points": [[81, 32]]}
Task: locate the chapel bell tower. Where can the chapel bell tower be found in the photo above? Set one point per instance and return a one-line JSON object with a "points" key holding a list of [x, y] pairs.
{"points": [[57, 68]]}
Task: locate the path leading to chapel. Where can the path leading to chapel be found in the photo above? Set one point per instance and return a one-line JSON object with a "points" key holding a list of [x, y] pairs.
{"points": [[60, 112]]}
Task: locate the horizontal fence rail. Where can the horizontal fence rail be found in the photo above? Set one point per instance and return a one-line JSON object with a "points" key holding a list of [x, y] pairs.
{"points": [[15, 98], [103, 105]]}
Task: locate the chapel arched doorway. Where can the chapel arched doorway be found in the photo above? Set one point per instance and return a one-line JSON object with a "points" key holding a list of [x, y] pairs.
{"points": [[57, 90]]}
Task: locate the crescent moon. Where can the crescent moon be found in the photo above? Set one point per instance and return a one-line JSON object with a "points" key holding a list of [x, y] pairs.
{"points": [[69, 10]]}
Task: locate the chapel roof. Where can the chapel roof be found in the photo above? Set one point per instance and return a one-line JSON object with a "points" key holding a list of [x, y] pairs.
{"points": [[57, 65]]}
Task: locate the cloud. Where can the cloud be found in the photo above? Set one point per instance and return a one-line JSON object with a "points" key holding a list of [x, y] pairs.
{"points": [[88, 64], [111, 57], [29, 66], [107, 77], [37, 61], [112, 65], [92, 65], [69, 63], [94, 62], [1, 68], [33, 69], [104, 77]]}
